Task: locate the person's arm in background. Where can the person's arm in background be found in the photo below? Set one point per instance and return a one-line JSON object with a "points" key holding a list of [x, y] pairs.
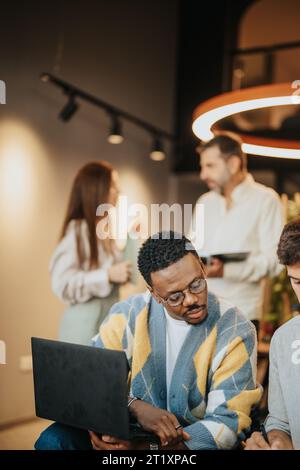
{"points": [[233, 391], [265, 263], [74, 285], [276, 424]]}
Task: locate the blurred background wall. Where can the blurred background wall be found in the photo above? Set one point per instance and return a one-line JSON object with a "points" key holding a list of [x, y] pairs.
{"points": [[123, 52]]}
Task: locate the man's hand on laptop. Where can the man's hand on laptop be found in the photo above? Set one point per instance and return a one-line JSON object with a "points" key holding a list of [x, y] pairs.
{"points": [[109, 443], [161, 422]]}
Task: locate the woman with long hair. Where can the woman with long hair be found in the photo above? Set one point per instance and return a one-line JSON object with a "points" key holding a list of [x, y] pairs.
{"points": [[86, 271]]}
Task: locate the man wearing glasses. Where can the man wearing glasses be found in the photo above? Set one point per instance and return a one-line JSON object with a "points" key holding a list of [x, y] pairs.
{"points": [[192, 358]]}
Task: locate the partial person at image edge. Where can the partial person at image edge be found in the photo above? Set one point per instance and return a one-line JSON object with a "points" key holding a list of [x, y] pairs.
{"points": [[282, 425]]}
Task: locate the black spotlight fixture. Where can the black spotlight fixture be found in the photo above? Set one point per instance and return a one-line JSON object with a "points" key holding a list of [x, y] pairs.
{"points": [[115, 135], [69, 109], [116, 116], [157, 153]]}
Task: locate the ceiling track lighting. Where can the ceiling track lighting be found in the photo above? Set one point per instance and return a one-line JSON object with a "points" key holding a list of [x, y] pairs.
{"points": [[157, 153], [69, 109], [115, 135]]}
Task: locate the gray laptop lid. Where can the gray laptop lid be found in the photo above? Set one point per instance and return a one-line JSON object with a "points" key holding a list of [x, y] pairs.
{"points": [[81, 386]]}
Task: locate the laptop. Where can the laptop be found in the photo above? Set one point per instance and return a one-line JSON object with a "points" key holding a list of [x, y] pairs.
{"points": [[84, 387]]}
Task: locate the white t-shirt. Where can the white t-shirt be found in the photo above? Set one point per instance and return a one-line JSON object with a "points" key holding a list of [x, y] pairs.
{"points": [[176, 332]]}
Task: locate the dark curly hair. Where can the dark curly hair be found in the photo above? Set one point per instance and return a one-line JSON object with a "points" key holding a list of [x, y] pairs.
{"points": [[289, 244], [229, 144], [161, 250]]}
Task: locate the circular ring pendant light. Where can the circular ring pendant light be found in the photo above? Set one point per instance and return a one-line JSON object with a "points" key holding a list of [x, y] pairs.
{"points": [[207, 115]]}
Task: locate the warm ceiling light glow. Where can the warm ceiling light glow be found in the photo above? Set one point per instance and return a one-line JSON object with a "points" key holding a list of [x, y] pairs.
{"points": [[115, 135], [157, 153], [15, 176], [208, 114], [203, 124], [45, 77], [265, 151], [157, 156], [115, 139], [21, 156]]}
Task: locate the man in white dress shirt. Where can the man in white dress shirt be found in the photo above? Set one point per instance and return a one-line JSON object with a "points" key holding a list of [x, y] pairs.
{"points": [[240, 215]]}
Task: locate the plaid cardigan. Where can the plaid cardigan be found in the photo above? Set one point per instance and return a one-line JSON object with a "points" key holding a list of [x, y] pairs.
{"points": [[213, 386]]}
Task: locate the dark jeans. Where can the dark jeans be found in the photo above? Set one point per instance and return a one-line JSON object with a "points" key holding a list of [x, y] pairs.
{"points": [[62, 437]]}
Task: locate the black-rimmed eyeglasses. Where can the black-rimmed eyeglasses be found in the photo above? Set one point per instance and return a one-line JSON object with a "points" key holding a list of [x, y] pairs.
{"points": [[175, 299]]}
